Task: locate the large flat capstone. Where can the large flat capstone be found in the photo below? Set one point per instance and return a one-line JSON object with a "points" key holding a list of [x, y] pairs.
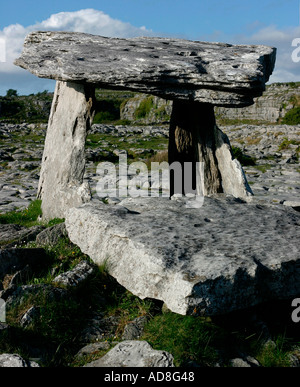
{"points": [[216, 73], [225, 256]]}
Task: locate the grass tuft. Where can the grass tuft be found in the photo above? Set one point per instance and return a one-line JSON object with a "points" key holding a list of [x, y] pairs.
{"points": [[27, 217]]}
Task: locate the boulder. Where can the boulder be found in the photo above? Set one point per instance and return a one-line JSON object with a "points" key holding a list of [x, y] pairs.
{"points": [[16, 361], [134, 329], [77, 276], [134, 354], [216, 73], [294, 204], [51, 235], [93, 348], [12, 234], [246, 362], [224, 256]]}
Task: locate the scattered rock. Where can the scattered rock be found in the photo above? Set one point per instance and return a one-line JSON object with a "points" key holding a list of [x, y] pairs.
{"points": [[16, 361], [76, 277], [134, 354], [21, 276], [135, 329], [294, 204], [95, 347], [51, 235], [294, 358], [28, 318], [13, 234], [99, 328], [4, 156], [15, 295], [246, 362], [3, 328]]}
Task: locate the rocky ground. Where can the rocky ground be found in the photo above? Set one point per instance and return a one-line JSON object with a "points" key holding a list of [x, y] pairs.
{"points": [[274, 178], [275, 149]]}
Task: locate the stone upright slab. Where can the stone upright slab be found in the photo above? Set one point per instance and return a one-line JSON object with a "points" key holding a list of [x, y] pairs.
{"points": [[61, 180]]}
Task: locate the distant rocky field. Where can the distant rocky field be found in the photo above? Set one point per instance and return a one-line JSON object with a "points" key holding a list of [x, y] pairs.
{"points": [[269, 154]]}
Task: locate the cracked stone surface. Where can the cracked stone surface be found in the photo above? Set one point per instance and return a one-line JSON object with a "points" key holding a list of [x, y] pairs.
{"points": [[225, 256], [131, 353], [217, 73]]}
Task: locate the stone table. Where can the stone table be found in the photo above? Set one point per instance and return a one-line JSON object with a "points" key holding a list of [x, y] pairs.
{"points": [[196, 75]]}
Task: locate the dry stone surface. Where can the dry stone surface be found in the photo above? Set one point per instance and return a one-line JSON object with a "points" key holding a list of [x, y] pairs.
{"points": [[217, 73], [134, 354], [225, 256]]}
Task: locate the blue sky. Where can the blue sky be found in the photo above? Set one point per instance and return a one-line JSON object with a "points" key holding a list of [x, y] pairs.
{"points": [[271, 22]]}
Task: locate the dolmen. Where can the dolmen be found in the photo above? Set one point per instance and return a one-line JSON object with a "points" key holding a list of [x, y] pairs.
{"points": [[226, 254], [196, 75]]}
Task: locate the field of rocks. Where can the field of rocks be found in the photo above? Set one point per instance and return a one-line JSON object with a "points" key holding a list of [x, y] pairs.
{"points": [[63, 311], [273, 151]]}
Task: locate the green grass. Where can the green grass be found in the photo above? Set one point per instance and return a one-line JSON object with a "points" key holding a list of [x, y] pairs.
{"points": [[292, 117], [145, 107], [242, 158], [221, 121], [131, 143], [263, 168], [187, 338], [275, 356], [27, 217], [286, 144]]}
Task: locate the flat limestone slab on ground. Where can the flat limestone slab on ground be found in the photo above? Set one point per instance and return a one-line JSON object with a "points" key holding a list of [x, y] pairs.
{"points": [[225, 256]]}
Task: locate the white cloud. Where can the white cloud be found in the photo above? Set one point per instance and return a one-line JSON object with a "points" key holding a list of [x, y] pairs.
{"points": [[285, 69], [91, 21], [87, 20]]}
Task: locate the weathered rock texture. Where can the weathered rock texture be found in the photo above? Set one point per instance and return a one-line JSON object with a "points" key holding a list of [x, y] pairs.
{"points": [[195, 139], [77, 276], [15, 361], [225, 256], [134, 354], [276, 101], [217, 73], [272, 106], [146, 110], [61, 180]]}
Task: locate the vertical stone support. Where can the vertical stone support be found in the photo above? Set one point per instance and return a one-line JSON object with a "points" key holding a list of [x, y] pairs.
{"points": [[196, 141], [61, 180]]}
